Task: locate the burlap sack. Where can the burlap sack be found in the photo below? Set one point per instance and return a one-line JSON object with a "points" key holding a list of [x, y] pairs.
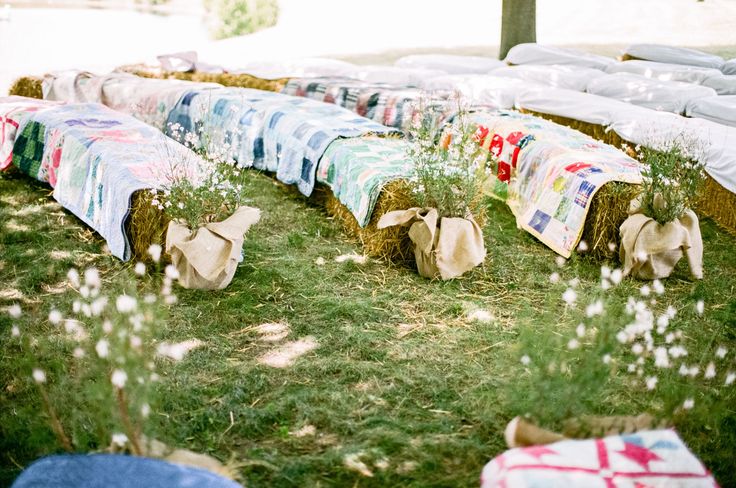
{"points": [[448, 250], [650, 250], [208, 257]]}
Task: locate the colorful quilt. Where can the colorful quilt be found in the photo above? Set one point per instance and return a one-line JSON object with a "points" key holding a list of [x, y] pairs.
{"points": [[383, 103], [548, 174], [13, 111], [271, 131], [653, 459], [96, 158], [357, 169], [149, 100]]}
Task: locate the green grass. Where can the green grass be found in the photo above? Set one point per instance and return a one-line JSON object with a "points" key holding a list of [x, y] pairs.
{"points": [[399, 372]]}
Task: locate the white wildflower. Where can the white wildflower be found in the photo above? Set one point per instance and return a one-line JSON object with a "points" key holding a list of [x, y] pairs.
{"points": [[483, 316], [560, 261], [658, 287], [39, 376], [119, 439], [569, 296], [140, 269], [92, 278], [730, 378], [631, 368], [684, 370], [73, 276], [320, 261], [688, 404], [55, 316], [700, 307], [580, 330], [155, 251], [554, 277], [125, 304], [595, 308], [661, 357], [616, 276], [669, 338], [671, 312], [583, 246], [171, 272], [637, 348], [693, 372], [645, 290], [677, 351], [145, 410], [622, 337], [710, 371], [135, 342], [78, 352], [651, 382], [98, 306], [573, 344], [15, 311], [525, 360], [103, 348], [149, 298], [721, 352], [179, 350], [605, 272], [119, 378]]}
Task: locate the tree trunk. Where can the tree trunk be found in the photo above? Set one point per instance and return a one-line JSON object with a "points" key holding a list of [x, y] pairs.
{"points": [[518, 24]]}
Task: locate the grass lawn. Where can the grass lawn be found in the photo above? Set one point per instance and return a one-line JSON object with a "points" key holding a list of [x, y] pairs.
{"points": [[400, 376]]}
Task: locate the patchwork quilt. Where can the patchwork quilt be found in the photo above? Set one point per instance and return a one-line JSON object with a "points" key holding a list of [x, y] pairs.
{"points": [[95, 159], [149, 100], [548, 174], [14, 111], [653, 459], [270, 131], [357, 169], [383, 103]]}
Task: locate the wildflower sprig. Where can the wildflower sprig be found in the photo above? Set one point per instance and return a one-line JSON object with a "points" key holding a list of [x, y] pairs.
{"points": [[102, 386], [671, 181], [449, 164], [604, 350]]}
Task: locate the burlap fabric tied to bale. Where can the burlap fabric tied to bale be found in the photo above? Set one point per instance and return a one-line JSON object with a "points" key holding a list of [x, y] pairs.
{"points": [[650, 250], [207, 258], [447, 250]]}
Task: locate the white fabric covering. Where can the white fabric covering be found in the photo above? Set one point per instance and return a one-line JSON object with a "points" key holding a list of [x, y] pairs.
{"points": [[394, 75], [486, 90], [297, 68], [571, 104], [720, 109], [664, 71], [723, 85], [532, 53], [729, 67], [449, 63], [570, 77], [675, 55], [670, 96], [714, 144]]}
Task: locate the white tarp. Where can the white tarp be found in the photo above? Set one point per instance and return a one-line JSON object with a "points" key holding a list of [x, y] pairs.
{"points": [[712, 144], [592, 109], [720, 109], [297, 68], [532, 53], [393, 75], [723, 85], [729, 67], [664, 71], [670, 96], [450, 63], [569, 77], [493, 91], [674, 55]]}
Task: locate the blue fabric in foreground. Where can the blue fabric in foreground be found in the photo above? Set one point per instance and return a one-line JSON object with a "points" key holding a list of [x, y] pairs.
{"points": [[115, 471]]}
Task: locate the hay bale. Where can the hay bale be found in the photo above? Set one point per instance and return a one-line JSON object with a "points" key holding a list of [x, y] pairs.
{"points": [[146, 225], [391, 244], [226, 79], [718, 203], [608, 210], [27, 86]]}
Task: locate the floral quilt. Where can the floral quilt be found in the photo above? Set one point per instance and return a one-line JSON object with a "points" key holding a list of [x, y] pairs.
{"points": [[357, 169], [14, 111], [95, 159], [548, 174], [652, 459]]}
